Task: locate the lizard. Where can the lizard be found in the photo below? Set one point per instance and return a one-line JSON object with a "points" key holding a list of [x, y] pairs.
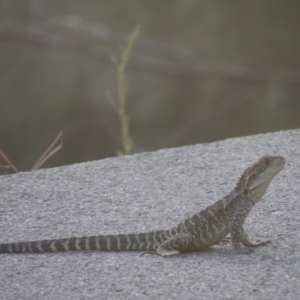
{"points": [[205, 228]]}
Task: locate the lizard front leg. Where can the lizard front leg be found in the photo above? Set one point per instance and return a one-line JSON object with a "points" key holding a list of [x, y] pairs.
{"points": [[238, 234]]}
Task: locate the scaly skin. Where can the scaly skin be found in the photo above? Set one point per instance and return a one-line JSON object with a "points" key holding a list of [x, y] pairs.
{"points": [[202, 230]]}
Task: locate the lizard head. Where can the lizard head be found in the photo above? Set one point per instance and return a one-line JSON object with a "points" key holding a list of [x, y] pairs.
{"points": [[256, 179]]}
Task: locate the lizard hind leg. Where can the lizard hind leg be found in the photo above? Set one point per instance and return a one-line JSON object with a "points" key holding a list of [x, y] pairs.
{"points": [[175, 244]]}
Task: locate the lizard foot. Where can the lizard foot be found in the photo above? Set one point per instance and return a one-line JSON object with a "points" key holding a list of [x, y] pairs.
{"points": [[262, 243], [164, 252], [257, 244], [148, 252]]}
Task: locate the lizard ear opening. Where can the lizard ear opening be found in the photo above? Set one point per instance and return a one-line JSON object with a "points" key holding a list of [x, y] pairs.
{"points": [[245, 192]]}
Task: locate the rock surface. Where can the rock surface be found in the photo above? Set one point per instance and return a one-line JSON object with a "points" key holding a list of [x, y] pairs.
{"points": [[145, 192]]}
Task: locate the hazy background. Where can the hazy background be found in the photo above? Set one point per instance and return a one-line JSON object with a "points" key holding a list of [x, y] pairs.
{"points": [[200, 71]]}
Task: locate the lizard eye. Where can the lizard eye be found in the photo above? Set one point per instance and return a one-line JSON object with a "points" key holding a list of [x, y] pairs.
{"points": [[245, 192], [267, 162]]}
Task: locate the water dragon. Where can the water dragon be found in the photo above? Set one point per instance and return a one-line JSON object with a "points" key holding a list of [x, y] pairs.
{"points": [[200, 231]]}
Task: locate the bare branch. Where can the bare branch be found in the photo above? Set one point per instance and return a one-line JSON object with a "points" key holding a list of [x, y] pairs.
{"points": [[49, 152], [9, 162]]}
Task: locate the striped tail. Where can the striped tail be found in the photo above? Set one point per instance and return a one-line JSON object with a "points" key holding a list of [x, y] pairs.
{"points": [[123, 242]]}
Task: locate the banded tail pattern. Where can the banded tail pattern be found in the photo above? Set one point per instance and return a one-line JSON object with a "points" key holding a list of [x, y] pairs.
{"points": [[204, 229], [123, 242]]}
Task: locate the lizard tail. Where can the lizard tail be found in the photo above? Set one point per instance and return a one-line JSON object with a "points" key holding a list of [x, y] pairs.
{"points": [[123, 242]]}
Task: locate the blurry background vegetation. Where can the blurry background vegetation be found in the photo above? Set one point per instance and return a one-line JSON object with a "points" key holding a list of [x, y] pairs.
{"points": [[200, 71]]}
